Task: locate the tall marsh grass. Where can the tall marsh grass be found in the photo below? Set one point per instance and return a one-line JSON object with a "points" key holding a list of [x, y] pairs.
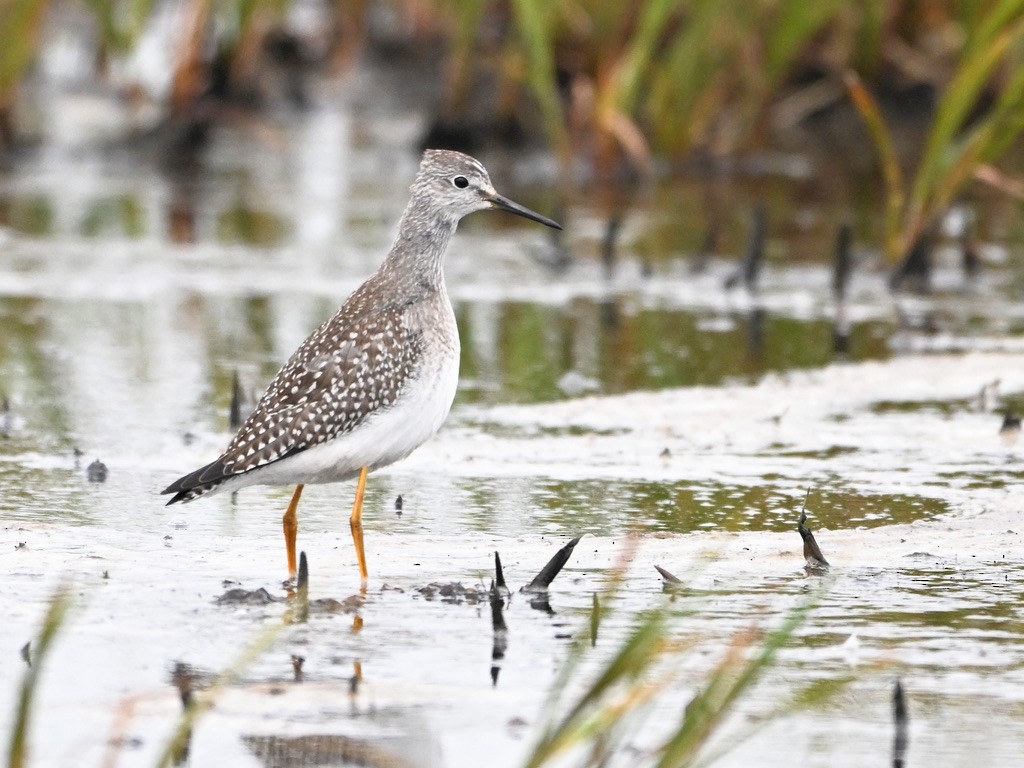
{"points": [[967, 133], [628, 85], [643, 672]]}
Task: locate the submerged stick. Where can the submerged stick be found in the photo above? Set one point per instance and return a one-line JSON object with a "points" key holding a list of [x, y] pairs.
{"points": [[844, 261], [914, 273], [750, 270], [499, 575], [500, 642], [669, 578], [708, 246], [235, 415], [547, 574], [755, 248], [1010, 428], [901, 721], [302, 584], [302, 590], [970, 261], [610, 244], [814, 560]]}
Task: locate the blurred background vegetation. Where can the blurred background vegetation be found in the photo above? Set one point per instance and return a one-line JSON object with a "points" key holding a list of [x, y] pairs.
{"points": [[623, 90]]}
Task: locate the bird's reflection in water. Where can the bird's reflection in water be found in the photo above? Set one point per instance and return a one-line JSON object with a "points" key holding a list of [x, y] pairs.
{"points": [[322, 749]]}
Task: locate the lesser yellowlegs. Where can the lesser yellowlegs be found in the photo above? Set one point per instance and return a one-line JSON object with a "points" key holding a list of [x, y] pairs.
{"points": [[377, 379]]}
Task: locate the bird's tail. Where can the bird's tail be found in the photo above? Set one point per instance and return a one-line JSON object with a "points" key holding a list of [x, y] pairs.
{"points": [[196, 484]]}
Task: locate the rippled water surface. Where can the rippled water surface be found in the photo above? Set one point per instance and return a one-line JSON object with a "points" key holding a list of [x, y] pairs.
{"points": [[634, 400]]}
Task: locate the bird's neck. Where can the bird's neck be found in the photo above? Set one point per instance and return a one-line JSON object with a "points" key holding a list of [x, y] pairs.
{"points": [[417, 255]]}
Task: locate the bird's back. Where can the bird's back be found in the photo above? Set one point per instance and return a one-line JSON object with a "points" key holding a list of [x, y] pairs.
{"points": [[354, 368]]}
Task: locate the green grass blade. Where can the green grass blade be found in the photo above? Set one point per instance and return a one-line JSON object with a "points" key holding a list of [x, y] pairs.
{"points": [[796, 23], [17, 753], [642, 51], [176, 746], [121, 24], [466, 18], [870, 37], [20, 23], [585, 720], [982, 33], [892, 173], [730, 681], [535, 23], [960, 98], [689, 72], [985, 144]]}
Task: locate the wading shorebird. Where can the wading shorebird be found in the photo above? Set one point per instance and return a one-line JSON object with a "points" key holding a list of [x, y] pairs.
{"points": [[375, 381]]}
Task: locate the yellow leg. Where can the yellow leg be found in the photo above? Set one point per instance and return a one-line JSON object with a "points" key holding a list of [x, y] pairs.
{"points": [[291, 530], [356, 522]]}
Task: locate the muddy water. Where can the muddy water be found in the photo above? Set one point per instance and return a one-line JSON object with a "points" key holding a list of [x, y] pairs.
{"points": [[637, 396]]}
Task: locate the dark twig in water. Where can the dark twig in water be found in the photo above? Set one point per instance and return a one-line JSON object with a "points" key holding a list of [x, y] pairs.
{"points": [[500, 643], [708, 246], [1010, 428], [750, 270], [969, 258], [497, 610], [499, 574], [302, 590], [609, 245], [901, 721], [538, 588], [547, 574], [814, 561], [237, 413], [302, 584], [184, 678], [914, 273], [756, 332], [841, 334], [561, 257], [844, 261], [669, 578]]}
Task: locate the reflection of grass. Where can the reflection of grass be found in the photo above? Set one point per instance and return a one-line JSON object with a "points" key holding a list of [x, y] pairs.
{"points": [[604, 507], [653, 348]]}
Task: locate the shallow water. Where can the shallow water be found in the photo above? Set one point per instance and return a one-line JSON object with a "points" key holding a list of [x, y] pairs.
{"points": [[642, 400]]}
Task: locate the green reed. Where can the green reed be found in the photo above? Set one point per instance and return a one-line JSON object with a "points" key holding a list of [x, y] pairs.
{"points": [[17, 751], [958, 142]]}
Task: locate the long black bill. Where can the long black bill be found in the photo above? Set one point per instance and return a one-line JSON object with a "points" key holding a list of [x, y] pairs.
{"points": [[504, 204]]}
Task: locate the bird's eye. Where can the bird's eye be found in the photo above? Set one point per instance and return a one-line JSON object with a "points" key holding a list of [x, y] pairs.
{"points": [[461, 182]]}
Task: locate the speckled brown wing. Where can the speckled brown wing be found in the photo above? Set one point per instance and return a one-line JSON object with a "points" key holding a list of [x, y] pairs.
{"points": [[340, 375]]}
